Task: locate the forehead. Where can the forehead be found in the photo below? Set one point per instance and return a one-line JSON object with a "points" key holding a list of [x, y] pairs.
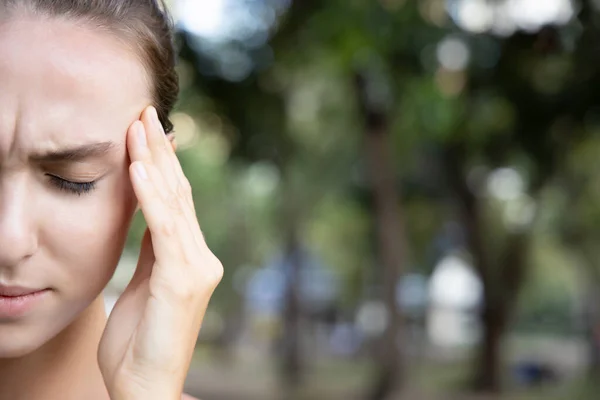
{"points": [[66, 83]]}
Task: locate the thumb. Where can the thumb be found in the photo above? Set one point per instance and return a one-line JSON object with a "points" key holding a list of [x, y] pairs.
{"points": [[145, 261]]}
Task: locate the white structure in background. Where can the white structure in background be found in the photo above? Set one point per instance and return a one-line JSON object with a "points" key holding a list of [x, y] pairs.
{"points": [[455, 294], [120, 279]]}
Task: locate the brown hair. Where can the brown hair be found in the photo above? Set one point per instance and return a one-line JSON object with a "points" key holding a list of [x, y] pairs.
{"points": [[145, 24]]}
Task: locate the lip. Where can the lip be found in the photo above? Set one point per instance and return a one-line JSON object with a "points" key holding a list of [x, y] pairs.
{"points": [[16, 301], [16, 291]]}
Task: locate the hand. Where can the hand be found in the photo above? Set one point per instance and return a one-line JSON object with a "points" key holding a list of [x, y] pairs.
{"points": [[147, 345]]}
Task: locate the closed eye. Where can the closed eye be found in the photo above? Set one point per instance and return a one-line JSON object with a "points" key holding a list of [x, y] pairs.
{"points": [[77, 188]]}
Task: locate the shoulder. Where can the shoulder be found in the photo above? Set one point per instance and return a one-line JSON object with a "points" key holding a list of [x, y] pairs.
{"points": [[188, 397]]}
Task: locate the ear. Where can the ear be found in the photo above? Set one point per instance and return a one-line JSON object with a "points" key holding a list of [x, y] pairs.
{"points": [[171, 137]]}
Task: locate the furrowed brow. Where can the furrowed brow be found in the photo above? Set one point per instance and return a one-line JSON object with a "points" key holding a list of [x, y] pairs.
{"points": [[74, 154]]}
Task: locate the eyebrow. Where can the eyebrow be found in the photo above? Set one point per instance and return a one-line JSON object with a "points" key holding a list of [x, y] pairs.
{"points": [[74, 154]]}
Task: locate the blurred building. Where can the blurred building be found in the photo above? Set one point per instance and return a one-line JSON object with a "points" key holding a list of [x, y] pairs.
{"points": [[266, 288], [455, 296]]}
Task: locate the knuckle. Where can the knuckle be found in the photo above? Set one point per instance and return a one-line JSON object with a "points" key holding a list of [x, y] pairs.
{"points": [[187, 186], [192, 286], [215, 272], [189, 257], [184, 189], [167, 227], [173, 203], [180, 293]]}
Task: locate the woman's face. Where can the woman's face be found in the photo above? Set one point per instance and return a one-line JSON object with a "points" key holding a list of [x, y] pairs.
{"points": [[68, 94]]}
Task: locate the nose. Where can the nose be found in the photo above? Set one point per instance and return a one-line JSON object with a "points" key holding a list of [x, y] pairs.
{"points": [[17, 236]]}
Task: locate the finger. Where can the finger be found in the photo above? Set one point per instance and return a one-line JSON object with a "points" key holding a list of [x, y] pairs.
{"points": [[137, 143], [172, 170], [184, 190], [145, 261], [179, 183], [183, 183], [172, 240], [173, 140], [161, 223], [159, 146], [165, 159]]}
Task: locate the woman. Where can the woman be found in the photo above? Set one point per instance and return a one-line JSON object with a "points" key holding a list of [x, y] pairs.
{"points": [[86, 87]]}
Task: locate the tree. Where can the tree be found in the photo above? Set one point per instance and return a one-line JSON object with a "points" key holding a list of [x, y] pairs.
{"points": [[521, 102]]}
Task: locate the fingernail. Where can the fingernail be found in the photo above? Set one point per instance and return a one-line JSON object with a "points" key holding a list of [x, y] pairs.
{"points": [[140, 170], [141, 132]]}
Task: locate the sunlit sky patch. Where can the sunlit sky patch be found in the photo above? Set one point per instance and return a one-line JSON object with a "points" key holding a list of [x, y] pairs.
{"points": [[222, 20], [202, 18], [232, 33], [226, 20], [506, 16]]}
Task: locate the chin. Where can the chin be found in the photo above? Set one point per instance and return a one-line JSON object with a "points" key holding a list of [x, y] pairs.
{"points": [[49, 328], [12, 346], [22, 338]]}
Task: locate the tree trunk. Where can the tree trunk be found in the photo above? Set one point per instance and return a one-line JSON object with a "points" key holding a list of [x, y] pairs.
{"points": [[502, 280], [591, 272], [291, 347], [592, 328], [489, 361], [292, 364], [390, 239]]}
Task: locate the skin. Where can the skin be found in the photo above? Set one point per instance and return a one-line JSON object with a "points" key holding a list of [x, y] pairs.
{"points": [[74, 86]]}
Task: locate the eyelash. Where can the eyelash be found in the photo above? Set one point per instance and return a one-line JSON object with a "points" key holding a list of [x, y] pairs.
{"points": [[77, 188]]}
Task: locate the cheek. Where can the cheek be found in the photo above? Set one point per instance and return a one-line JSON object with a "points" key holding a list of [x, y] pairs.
{"points": [[88, 233]]}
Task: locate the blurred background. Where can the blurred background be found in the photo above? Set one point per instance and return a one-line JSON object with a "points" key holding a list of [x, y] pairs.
{"points": [[405, 195]]}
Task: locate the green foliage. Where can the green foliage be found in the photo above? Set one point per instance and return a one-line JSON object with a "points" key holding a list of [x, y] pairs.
{"points": [[339, 231], [283, 149], [550, 303]]}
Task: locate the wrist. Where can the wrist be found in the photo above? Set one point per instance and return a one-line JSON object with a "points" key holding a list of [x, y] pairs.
{"points": [[146, 392]]}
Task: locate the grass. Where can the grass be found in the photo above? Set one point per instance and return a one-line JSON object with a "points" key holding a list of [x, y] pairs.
{"points": [[254, 376]]}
